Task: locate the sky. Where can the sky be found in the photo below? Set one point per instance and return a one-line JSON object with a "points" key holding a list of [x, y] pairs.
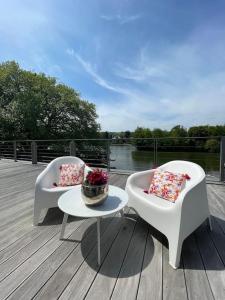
{"points": [[149, 63]]}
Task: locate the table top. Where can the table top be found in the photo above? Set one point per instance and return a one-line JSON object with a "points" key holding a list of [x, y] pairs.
{"points": [[72, 203]]}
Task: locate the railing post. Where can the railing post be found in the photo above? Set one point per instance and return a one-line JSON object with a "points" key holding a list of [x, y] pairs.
{"points": [[72, 148], [222, 158], [34, 152], [108, 155], [14, 151], [156, 153]]}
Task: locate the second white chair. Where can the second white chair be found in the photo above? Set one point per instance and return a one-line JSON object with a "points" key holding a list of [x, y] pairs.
{"points": [[45, 195], [175, 220]]}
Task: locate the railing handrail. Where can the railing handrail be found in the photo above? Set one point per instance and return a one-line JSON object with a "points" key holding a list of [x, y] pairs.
{"points": [[113, 139], [109, 141]]}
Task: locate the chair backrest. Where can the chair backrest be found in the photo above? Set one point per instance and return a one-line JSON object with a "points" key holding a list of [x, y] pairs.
{"points": [[195, 172]]}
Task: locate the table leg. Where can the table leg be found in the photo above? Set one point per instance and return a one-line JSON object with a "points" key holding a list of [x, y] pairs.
{"points": [[65, 218], [98, 240], [122, 213]]}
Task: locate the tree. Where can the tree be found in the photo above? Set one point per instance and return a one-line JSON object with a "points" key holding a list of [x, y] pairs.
{"points": [[143, 133], [35, 106], [212, 145], [198, 131], [178, 131]]}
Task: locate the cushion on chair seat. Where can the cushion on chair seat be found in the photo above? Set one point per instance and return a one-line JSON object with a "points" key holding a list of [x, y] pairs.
{"points": [[167, 185], [71, 174]]}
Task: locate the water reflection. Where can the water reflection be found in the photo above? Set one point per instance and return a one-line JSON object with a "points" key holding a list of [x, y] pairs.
{"points": [[126, 157]]}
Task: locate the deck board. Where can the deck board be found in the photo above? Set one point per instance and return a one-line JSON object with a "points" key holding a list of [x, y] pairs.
{"points": [[35, 264]]}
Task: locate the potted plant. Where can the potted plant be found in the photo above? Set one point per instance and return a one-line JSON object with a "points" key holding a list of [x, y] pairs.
{"points": [[94, 188]]}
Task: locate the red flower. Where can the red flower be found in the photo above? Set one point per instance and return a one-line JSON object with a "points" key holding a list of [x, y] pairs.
{"points": [[97, 177]]}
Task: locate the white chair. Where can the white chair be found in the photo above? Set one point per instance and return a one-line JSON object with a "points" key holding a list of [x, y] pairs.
{"points": [[175, 220], [45, 195]]}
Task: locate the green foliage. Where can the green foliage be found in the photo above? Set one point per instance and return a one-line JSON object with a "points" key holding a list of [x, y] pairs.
{"points": [[212, 145], [35, 106], [142, 132], [178, 131], [179, 143]]}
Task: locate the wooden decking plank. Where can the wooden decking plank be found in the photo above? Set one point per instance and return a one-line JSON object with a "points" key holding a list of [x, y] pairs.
{"points": [[16, 218], [44, 272], [18, 171], [105, 280], [16, 198], [120, 181], [80, 283], [50, 289], [17, 186], [218, 237], [16, 211], [220, 191], [213, 264], [132, 265], [215, 209], [174, 286], [16, 278], [19, 178], [218, 199], [15, 261], [22, 242], [12, 233], [195, 276], [150, 286]]}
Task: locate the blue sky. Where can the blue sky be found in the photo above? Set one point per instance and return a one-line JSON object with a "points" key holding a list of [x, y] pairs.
{"points": [[151, 63]]}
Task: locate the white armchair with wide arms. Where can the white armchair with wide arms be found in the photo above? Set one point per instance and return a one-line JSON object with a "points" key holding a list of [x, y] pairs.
{"points": [[175, 220], [46, 196]]}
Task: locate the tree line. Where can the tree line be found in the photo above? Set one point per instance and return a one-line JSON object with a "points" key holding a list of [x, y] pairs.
{"points": [[183, 139]]}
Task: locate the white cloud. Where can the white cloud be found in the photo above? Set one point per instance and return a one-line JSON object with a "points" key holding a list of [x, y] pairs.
{"points": [[180, 87], [88, 67], [121, 19], [176, 89]]}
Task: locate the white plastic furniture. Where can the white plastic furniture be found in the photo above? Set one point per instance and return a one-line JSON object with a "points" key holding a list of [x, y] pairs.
{"points": [[71, 203], [46, 196], [175, 220]]}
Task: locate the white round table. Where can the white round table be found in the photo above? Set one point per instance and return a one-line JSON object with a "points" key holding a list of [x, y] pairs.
{"points": [[71, 203]]}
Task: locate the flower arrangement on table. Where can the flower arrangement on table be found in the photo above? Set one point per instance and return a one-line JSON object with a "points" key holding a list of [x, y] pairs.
{"points": [[94, 188]]}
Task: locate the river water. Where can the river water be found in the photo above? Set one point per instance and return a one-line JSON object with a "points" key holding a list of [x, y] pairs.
{"points": [[126, 157]]}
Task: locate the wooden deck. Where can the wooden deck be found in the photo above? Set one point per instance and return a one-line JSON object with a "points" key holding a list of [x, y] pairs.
{"points": [[35, 264]]}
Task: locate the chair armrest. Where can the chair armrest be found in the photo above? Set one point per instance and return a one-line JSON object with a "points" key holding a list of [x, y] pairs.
{"points": [[87, 170], [46, 178], [141, 179]]}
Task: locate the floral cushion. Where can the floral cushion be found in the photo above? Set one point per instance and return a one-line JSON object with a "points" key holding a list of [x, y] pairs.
{"points": [[167, 185], [71, 174]]}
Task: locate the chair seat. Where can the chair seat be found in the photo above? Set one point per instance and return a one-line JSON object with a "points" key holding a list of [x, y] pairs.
{"points": [[152, 199], [58, 189]]}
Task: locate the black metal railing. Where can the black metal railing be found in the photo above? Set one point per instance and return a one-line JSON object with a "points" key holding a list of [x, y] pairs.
{"points": [[100, 152]]}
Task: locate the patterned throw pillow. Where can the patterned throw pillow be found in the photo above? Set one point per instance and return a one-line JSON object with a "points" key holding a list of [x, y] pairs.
{"points": [[71, 174], [167, 185]]}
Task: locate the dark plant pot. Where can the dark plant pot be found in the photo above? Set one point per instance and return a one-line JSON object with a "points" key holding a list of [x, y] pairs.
{"points": [[94, 194]]}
